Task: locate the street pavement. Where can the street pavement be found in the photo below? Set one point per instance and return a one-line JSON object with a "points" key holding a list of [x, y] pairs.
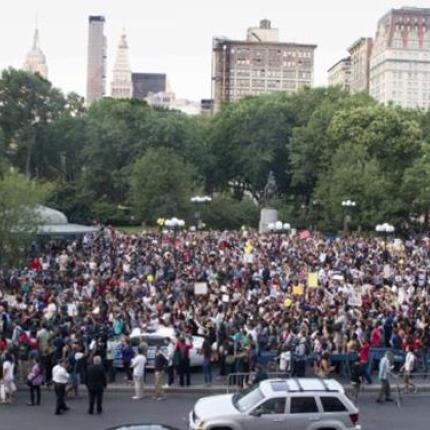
{"points": [[119, 408]]}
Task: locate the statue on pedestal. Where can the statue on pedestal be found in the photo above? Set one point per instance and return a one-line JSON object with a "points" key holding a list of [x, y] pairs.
{"points": [[271, 189], [268, 215]]}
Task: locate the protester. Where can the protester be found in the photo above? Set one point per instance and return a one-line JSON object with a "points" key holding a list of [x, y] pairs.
{"points": [[407, 369], [183, 356], [356, 378], [92, 293], [34, 381], [60, 378], [171, 346], [161, 363], [8, 378], [138, 365], [385, 367], [206, 351], [96, 384]]}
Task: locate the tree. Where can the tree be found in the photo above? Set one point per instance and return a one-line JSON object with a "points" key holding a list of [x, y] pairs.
{"points": [[27, 103], [248, 139], [390, 134], [116, 138], [161, 185], [225, 212], [18, 221], [310, 147], [416, 185], [354, 174]]}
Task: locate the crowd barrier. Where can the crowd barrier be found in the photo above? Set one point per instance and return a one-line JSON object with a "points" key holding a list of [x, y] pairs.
{"points": [[376, 354], [240, 380]]}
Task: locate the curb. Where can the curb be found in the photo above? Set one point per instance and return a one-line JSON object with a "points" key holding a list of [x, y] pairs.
{"points": [[222, 389]]}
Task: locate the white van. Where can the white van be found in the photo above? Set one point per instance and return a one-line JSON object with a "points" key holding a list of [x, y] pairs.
{"points": [[158, 337]]}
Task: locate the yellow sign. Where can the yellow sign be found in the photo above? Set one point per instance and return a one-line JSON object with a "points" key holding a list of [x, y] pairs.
{"points": [[298, 290], [248, 248], [313, 280], [150, 278], [288, 302]]}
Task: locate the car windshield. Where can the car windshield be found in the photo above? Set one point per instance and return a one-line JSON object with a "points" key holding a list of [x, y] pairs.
{"points": [[248, 398], [155, 341]]}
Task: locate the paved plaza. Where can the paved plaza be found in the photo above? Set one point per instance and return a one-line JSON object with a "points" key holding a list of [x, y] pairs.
{"points": [[120, 409]]}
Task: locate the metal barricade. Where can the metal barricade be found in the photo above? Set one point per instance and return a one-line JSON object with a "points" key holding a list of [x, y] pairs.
{"points": [[238, 381]]}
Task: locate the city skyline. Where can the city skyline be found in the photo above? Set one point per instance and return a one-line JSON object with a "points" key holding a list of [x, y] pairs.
{"points": [[176, 39]]}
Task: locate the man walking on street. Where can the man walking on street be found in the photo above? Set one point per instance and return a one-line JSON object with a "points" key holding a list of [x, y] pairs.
{"points": [[160, 364], [60, 377], [385, 367], [138, 365], [96, 383]]}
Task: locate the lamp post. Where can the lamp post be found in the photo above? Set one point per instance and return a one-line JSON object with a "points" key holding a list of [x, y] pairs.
{"points": [[174, 224], [316, 205], [385, 229], [199, 201], [348, 205], [279, 227]]}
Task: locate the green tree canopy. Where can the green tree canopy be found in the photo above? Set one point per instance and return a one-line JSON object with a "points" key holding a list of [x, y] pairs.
{"points": [[27, 104], [161, 185], [18, 221]]}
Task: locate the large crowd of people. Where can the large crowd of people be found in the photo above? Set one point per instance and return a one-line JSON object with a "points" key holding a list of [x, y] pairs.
{"points": [[291, 296]]}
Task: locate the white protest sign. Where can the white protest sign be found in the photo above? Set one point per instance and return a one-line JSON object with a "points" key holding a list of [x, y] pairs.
{"points": [[200, 288]]}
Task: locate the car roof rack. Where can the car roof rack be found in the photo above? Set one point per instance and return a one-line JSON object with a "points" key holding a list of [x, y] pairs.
{"points": [[298, 384], [327, 388]]}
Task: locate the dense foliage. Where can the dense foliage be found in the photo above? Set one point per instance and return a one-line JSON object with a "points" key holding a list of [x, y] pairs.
{"points": [[121, 161]]}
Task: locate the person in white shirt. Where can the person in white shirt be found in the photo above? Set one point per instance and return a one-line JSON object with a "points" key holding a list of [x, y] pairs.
{"points": [[170, 366], [8, 379], [285, 361], [60, 377], [407, 368], [138, 365]]}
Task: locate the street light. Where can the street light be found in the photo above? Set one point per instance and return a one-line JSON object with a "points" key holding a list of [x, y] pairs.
{"points": [[278, 227], [385, 229], [174, 224], [348, 205], [199, 201]]}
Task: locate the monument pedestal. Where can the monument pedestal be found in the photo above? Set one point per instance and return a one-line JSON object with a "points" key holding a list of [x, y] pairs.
{"points": [[267, 216]]}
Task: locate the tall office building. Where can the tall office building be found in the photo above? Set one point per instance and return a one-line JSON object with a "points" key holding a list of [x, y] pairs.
{"points": [[96, 72], [400, 60], [121, 86], [35, 61], [340, 74], [145, 83], [260, 64], [360, 53]]}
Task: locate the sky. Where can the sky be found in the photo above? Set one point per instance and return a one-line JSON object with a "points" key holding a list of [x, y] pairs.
{"points": [[175, 36]]}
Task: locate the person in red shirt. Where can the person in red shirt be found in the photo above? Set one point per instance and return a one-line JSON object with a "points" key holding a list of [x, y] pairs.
{"points": [[182, 353], [363, 357], [3, 344], [376, 337], [36, 265]]}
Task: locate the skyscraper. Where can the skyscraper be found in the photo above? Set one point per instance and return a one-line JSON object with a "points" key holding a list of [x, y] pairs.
{"points": [[35, 60], [96, 73], [121, 86], [259, 65], [400, 61]]}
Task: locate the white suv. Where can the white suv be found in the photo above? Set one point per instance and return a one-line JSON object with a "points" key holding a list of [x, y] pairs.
{"points": [[275, 404]]}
